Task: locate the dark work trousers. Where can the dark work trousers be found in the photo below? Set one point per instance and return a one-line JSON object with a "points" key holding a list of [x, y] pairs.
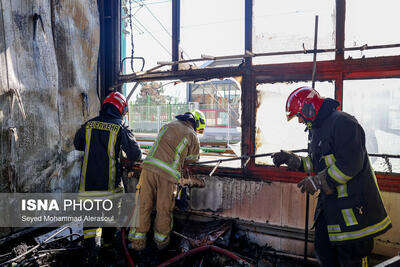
{"points": [[94, 239], [350, 254], [93, 236], [91, 245]]}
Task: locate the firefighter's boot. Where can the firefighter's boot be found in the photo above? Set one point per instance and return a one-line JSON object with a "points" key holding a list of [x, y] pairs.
{"points": [[139, 244], [162, 244]]}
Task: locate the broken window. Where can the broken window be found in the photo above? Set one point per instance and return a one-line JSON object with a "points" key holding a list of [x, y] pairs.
{"points": [[273, 131], [375, 104], [156, 103], [285, 26]]}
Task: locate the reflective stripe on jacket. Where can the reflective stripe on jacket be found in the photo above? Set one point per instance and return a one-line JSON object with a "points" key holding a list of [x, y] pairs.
{"points": [[177, 143], [102, 139], [355, 210]]}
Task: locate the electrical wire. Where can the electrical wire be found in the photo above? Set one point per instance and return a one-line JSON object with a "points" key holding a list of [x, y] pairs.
{"points": [[140, 30], [159, 22], [154, 16], [155, 3], [158, 41]]}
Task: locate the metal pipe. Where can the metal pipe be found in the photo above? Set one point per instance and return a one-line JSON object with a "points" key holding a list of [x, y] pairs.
{"points": [[202, 59], [385, 156], [340, 28], [315, 54], [245, 157], [308, 195], [5, 255], [132, 58], [56, 233], [213, 170], [292, 52], [131, 92], [58, 250], [63, 237], [306, 229], [248, 31]]}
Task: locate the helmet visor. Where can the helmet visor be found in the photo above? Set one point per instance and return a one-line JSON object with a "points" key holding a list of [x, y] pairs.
{"points": [[290, 115]]}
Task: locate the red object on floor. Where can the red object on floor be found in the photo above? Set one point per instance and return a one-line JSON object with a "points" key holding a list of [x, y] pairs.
{"points": [[127, 255], [201, 249]]}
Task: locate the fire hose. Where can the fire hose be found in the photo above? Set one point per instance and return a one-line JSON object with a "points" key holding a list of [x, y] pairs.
{"points": [[202, 249]]}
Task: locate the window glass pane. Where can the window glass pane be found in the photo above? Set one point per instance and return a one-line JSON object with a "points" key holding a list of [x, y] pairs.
{"points": [[286, 24], [154, 104], [147, 34], [274, 132], [376, 105], [220, 100], [374, 23], [212, 27]]}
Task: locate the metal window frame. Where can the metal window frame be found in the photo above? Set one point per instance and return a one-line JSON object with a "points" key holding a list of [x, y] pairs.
{"points": [[337, 70]]}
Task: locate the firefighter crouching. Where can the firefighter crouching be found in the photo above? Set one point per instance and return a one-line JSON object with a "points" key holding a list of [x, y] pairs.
{"points": [[102, 138], [177, 143], [350, 211]]}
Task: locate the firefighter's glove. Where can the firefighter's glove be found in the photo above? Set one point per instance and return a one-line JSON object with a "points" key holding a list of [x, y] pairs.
{"points": [[182, 198], [285, 157], [311, 184], [192, 182]]}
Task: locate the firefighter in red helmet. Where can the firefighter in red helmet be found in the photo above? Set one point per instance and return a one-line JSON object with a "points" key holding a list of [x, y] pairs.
{"points": [[350, 211], [102, 138]]}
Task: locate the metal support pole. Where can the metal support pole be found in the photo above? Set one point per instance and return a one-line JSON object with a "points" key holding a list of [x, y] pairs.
{"points": [[340, 29], [306, 229], [158, 118], [176, 13], [248, 29], [315, 54], [248, 98], [308, 196], [229, 124]]}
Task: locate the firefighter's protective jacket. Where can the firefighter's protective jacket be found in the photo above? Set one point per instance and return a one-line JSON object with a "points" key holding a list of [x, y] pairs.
{"points": [[102, 139], [177, 143], [355, 211]]}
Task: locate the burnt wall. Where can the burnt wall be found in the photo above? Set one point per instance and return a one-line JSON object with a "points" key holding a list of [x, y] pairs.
{"points": [[48, 67]]}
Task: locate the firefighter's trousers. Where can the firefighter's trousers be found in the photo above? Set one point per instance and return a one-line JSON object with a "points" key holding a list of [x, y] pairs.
{"points": [[152, 189], [91, 245], [346, 255]]}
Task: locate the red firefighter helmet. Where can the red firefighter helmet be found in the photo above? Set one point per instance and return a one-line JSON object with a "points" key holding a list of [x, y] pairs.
{"points": [[119, 101], [305, 102]]}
